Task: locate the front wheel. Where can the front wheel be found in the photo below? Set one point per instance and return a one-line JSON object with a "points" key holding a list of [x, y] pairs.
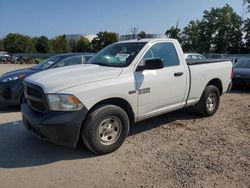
{"points": [[105, 129], [209, 102]]}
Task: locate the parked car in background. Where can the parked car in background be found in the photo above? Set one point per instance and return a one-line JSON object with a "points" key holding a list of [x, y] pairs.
{"points": [[217, 56], [18, 59], [7, 60], [4, 54], [234, 60], [4, 57], [241, 73], [11, 83], [193, 56]]}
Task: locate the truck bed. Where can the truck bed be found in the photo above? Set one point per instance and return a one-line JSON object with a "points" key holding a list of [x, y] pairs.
{"points": [[205, 61], [205, 71]]}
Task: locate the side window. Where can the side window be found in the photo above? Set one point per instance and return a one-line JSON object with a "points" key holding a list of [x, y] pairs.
{"points": [[201, 57], [189, 57], [70, 61], [194, 57], [166, 51]]}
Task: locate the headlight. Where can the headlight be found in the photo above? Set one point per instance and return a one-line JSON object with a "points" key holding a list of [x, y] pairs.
{"points": [[12, 78], [64, 102]]}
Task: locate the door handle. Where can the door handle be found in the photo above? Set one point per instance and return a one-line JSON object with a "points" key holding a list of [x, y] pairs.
{"points": [[178, 74]]}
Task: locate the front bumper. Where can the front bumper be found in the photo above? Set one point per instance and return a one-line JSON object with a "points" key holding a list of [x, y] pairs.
{"points": [[62, 128]]}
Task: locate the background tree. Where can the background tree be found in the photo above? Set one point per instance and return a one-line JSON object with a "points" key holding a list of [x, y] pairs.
{"points": [[223, 27], [219, 31], [72, 45], [247, 3], [174, 33], [34, 41], [83, 45], [192, 37], [1, 45], [246, 30], [17, 43], [59, 44], [42, 45], [142, 35], [103, 39]]}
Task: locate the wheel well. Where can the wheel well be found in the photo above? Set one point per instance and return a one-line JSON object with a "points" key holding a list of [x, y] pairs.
{"points": [[216, 82], [118, 102]]}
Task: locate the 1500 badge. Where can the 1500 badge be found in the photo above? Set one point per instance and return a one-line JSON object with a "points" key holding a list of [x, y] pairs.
{"points": [[144, 91], [141, 91]]}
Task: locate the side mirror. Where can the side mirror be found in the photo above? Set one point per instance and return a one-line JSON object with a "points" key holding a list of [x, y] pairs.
{"points": [[151, 64]]}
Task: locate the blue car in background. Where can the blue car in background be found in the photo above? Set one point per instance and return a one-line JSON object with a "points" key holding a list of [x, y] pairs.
{"points": [[241, 73], [11, 83]]}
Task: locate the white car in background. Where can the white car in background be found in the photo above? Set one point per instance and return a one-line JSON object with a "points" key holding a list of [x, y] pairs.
{"points": [[193, 56], [4, 54]]}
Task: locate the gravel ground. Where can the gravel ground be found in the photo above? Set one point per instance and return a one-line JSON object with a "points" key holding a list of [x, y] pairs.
{"points": [[179, 149]]}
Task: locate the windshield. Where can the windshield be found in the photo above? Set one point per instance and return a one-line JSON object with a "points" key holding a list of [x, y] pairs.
{"points": [[48, 62], [243, 64], [117, 55]]}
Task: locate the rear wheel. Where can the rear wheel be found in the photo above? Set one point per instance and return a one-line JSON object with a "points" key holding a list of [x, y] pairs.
{"points": [[105, 129], [209, 102]]}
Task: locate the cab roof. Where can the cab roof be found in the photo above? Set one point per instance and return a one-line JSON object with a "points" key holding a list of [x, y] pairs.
{"points": [[147, 40]]}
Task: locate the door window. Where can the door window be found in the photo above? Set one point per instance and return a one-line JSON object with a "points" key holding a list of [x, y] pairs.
{"points": [[165, 51]]}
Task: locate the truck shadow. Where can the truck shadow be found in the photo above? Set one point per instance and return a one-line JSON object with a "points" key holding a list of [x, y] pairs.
{"points": [[183, 114], [19, 148], [240, 90]]}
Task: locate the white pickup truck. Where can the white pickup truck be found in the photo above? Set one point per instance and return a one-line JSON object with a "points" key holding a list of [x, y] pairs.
{"points": [[124, 83]]}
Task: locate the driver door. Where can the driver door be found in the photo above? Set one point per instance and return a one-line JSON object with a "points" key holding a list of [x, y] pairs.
{"points": [[162, 89]]}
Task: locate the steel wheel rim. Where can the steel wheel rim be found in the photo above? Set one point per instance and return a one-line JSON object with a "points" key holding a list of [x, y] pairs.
{"points": [[109, 130], [211, 101]]}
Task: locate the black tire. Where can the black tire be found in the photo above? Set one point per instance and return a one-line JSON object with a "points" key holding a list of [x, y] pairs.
{"points": [[96, 129], [206, 106]]}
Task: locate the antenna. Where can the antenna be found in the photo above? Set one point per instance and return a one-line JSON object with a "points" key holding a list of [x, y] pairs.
{"points": [[177, 24]]}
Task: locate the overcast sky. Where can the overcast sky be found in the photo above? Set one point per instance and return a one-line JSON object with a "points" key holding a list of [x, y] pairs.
{"points": [[55, 17]]}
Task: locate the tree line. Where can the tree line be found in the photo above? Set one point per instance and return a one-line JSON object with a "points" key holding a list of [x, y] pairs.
{"points": [[221, 30], [18, 43]]}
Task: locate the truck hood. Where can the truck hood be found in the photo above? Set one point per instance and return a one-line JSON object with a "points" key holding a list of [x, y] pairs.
{"points": [[55, 80]]}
